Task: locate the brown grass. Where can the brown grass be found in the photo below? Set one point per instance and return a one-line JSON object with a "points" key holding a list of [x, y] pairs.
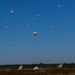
{"points": [[38, 72]]}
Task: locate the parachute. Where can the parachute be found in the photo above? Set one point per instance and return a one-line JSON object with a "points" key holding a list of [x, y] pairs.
{"points": [[35, 33], [28, 24], [20, 68], [13, 43], [6, 22], [52, 27], [38, 15], [35, 38], [34, 18], [35, 68], [60, 65], [58, 6], [6, 27], [11, 11]]}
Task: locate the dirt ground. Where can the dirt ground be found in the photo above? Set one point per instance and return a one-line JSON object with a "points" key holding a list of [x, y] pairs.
{"points": [[38, 72]]}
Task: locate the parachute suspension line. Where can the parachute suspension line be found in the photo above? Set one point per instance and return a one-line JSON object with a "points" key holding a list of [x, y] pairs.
{"points": [[35, 40], [6, 26]]}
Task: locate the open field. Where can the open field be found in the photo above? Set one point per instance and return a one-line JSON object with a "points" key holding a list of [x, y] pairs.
{"points": [[43, 69], [38, 72]]}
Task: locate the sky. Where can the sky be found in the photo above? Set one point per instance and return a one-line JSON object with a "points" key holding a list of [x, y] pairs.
{"points": [[54, 22]]}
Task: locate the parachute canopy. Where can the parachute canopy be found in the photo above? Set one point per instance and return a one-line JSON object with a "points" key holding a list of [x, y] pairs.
{"points": [[35, 33], [6, 22], [60, 65], [52, 27], [11, 11], [13, 43], [35, 68], [20, 68], [28, 24], [58, 6], [37, 14], [6, 27], [34, 18]]}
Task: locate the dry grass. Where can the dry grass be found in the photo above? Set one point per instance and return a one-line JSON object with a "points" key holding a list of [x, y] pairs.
{"points": [[48, 71]]}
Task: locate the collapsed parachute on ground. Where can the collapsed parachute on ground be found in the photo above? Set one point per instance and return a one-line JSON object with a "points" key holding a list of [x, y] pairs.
{"points": [[35, 68], [60, 65], [20, 68]]}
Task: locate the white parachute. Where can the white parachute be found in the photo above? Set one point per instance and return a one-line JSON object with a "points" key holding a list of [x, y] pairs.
{"points": [[6, 27], [11, 11], [60, 65], [38, 15], [58, 6], [35, 33], [34, 18], [6, 22], [35, 37], [13, 43], [35, 68], [28, 24], [20, 68], [52, 27]]}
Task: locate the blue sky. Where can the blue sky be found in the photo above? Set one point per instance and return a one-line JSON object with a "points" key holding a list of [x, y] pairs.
{"points": [[50, 45]]}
